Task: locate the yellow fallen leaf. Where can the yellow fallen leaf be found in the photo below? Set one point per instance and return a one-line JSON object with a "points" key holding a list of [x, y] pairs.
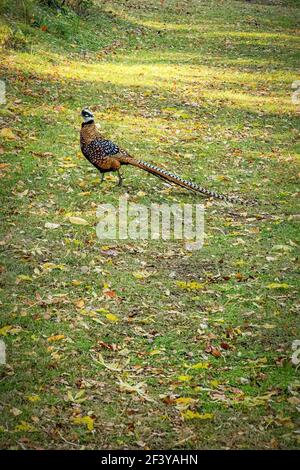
{"points": [[188, 414], [23, 278], [68, 165], [191, 285], [79, 397], [143, 274], [223, 178], [278, 285], [87, 420], [184, 378], [102, 310], [184, 400], [112, 317], [5, 329], [7, 133], [78, 221], [183, 115], [33, 398], [214, 383], [138, 275], [155, 352], [200, 365], [139, 388], [55, 338], [51, 266], [24, 426]]}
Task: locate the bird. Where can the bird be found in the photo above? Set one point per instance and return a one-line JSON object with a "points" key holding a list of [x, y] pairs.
{"points": [[107, 156]]}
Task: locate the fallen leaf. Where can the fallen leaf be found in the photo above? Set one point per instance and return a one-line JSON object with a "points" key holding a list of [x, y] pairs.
{"points": [[23, 278], [110, 293], [24, 426], [188, 414], [277, 285], [212, 350], [184, 400], [51, 225], [79, 303], [33, 398], [139, 388], [114, 367], [51, 339], [4, 165], [184, 378], [7, 133], [155, 352], [78, 221], [191, 285], [86, 420], [142, 274], [225, 346], [112, 317], [15, 411], [5, 329], [200, 365], [42, 154]]}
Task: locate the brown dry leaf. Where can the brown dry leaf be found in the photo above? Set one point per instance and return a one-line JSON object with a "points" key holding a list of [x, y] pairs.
{"points": [[4, 166], [213, 351], [15, 411], [111, 347], [42, 154], [110, 293], [168, 399], [225, 346]]}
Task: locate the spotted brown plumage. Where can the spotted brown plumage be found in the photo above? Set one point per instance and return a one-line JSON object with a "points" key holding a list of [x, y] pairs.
{"points": [[107, 156]]}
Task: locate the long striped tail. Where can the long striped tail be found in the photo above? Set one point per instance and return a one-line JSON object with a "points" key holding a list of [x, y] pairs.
{"points": [[171, 178]]}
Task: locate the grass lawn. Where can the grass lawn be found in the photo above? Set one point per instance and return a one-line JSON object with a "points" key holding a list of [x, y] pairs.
{"points": [[113, 346]]}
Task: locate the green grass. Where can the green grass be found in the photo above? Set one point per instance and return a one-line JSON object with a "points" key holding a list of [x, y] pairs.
{"points": [[203, 89]]}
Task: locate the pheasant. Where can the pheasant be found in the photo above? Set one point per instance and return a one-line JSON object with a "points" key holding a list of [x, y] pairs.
{"points": [[108, 157]]}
